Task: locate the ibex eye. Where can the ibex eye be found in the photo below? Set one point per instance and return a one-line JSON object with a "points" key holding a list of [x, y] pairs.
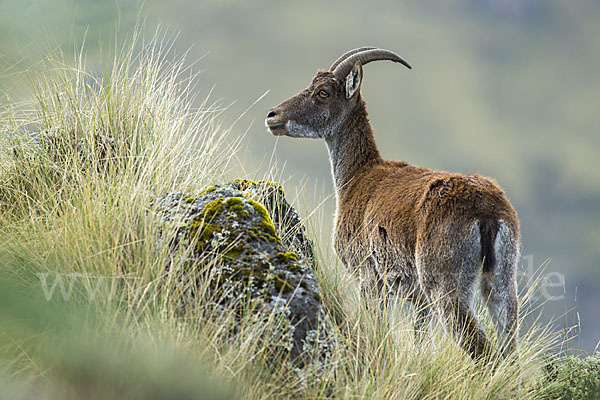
{"points": [[323, 94]]}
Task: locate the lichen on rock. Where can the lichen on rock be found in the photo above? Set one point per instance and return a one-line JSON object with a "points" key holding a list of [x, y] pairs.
{"points": [[233, 237]]}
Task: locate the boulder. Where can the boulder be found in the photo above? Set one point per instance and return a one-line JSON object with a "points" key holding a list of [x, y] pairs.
{"points": [[248, 242]]}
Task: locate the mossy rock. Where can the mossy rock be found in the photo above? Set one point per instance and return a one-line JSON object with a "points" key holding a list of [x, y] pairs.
{"points": [[232, 234], [285, 218]]}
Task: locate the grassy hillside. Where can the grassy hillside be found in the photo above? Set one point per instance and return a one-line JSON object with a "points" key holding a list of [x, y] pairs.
{"points": [[78, 167], [505, 88]]}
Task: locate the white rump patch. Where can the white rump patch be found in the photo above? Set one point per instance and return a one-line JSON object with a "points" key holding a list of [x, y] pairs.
{"points": [[503, 238], [506, 246]]}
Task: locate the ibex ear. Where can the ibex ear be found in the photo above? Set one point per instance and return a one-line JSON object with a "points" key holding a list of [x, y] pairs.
{"points": [[353, 80]]}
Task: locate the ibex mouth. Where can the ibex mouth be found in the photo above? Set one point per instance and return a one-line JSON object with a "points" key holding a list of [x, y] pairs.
{"points": [[277, 128]]}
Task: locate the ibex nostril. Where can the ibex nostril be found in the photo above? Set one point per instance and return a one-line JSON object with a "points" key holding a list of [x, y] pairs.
{"points": [[271, 114]]}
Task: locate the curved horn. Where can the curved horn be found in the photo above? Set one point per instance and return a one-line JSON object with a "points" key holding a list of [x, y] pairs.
{"points": [[366, 57], [348, 54]]}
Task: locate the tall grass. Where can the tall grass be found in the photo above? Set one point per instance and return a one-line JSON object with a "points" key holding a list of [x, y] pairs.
{"points": [[78, 168]]}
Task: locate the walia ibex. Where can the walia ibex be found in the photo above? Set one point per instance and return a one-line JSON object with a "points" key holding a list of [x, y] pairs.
{"points": [[432, 236]]}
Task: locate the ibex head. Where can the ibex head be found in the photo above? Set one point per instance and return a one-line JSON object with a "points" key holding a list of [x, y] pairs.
{"points": [[320, 110]]}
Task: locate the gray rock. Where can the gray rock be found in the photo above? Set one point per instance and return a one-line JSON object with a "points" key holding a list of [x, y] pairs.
{"points": [[226, 235]]}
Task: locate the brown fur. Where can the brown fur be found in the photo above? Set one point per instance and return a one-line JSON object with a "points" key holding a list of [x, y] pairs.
{"points": [[424, 233]]}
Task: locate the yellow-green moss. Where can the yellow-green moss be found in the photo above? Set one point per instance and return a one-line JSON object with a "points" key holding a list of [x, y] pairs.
{"points": [[189, 199], [294, 267], [235, 204], [246, 183], [282, 285], [256, 271], [208, 230], [259, 232], [287, 256], [271, 238], [235, 251], [267, 223], [202, 232], [233, 201], [212, 209], [208, 190]]}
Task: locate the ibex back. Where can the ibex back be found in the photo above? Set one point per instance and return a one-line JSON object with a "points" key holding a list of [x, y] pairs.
{"points": [[432, 236]]}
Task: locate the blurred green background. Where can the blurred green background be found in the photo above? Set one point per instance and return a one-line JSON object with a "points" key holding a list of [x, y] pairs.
{"points": [[506, 88]]}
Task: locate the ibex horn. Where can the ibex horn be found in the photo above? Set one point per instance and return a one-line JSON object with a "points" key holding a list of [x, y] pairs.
{"points": [[364, 56], [348, 54]]}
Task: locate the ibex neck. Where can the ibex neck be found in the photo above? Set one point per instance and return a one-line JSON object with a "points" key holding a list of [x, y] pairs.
{"points": [[352, 148]]}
